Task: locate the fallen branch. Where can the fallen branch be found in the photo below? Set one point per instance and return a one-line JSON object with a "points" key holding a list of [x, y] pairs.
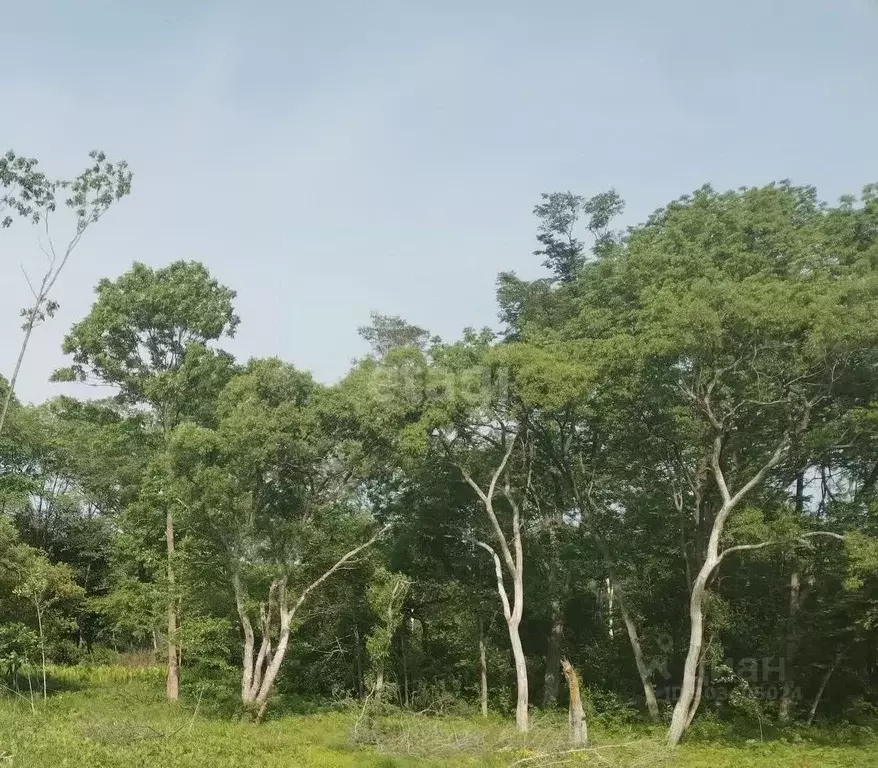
{"points": [[581, 750]]}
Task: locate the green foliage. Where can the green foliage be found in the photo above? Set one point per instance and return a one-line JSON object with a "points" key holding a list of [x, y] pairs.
{"points": [[147, 334], [728, 342], [114, 717], [862, 559], [31, 194], [18, 643], [386, 598]]}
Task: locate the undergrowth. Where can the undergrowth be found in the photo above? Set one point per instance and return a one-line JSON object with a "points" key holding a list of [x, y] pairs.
{"points": [[116, 717]]}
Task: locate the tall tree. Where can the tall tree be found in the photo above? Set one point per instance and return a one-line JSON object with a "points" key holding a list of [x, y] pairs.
{"points": [[148, 334], [750, 317], [482, 431], [271, 507]]}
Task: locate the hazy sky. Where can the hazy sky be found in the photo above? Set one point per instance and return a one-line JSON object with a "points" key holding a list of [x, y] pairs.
{"points": [[329, 158]]}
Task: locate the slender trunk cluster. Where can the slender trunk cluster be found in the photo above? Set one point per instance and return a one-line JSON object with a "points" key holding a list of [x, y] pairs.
{"points": [[260, 667], [588, 515]]}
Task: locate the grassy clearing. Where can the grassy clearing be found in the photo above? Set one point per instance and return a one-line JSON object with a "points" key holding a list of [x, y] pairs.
{"points": [[109, 717]]}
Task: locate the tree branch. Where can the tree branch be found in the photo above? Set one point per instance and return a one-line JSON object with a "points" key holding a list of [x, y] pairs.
{"points": [[800, 539], [289, 613], [488, 502], [501, 587]]}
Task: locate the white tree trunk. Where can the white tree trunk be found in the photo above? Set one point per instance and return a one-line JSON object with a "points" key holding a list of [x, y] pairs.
{"points": [[513, 620], [610, 607], [680, 717], [28, 330], [379, 682], [821, 689], [258, 675], [699, 689], [358, 657], [682, 710], [521, 704], [513, 558]]}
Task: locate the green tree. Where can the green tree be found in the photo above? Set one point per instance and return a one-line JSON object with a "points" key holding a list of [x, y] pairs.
{"points": [[43, 584], [149, 334], [271, 507], [749, 318]]}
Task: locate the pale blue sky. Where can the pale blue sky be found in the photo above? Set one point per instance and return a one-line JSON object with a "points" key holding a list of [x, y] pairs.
{"points": [[326, 159]]}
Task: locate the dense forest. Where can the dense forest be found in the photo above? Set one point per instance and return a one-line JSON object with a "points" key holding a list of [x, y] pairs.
{"points": [[651, 490]]}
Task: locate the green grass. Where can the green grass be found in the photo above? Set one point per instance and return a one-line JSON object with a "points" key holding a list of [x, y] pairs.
{"points": [[109, 717]]}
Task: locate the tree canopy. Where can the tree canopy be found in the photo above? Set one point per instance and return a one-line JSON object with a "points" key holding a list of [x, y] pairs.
{"points": [[660, 474]]}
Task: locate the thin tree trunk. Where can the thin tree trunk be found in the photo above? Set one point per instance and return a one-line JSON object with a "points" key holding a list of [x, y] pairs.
{"points": [[699, 688], [639, 661], [249, 642], [578, 725], [358, 657], [379, 682], [614, 589], [173, 680], [553, 657], [792, 642], [513, 557], [42, 647], [792, 634], [405, 670], [513, 619], [521, 718], [682, 709], [610, 607], [28, 330], [261, 699], [821, 689], [483, 668]]}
